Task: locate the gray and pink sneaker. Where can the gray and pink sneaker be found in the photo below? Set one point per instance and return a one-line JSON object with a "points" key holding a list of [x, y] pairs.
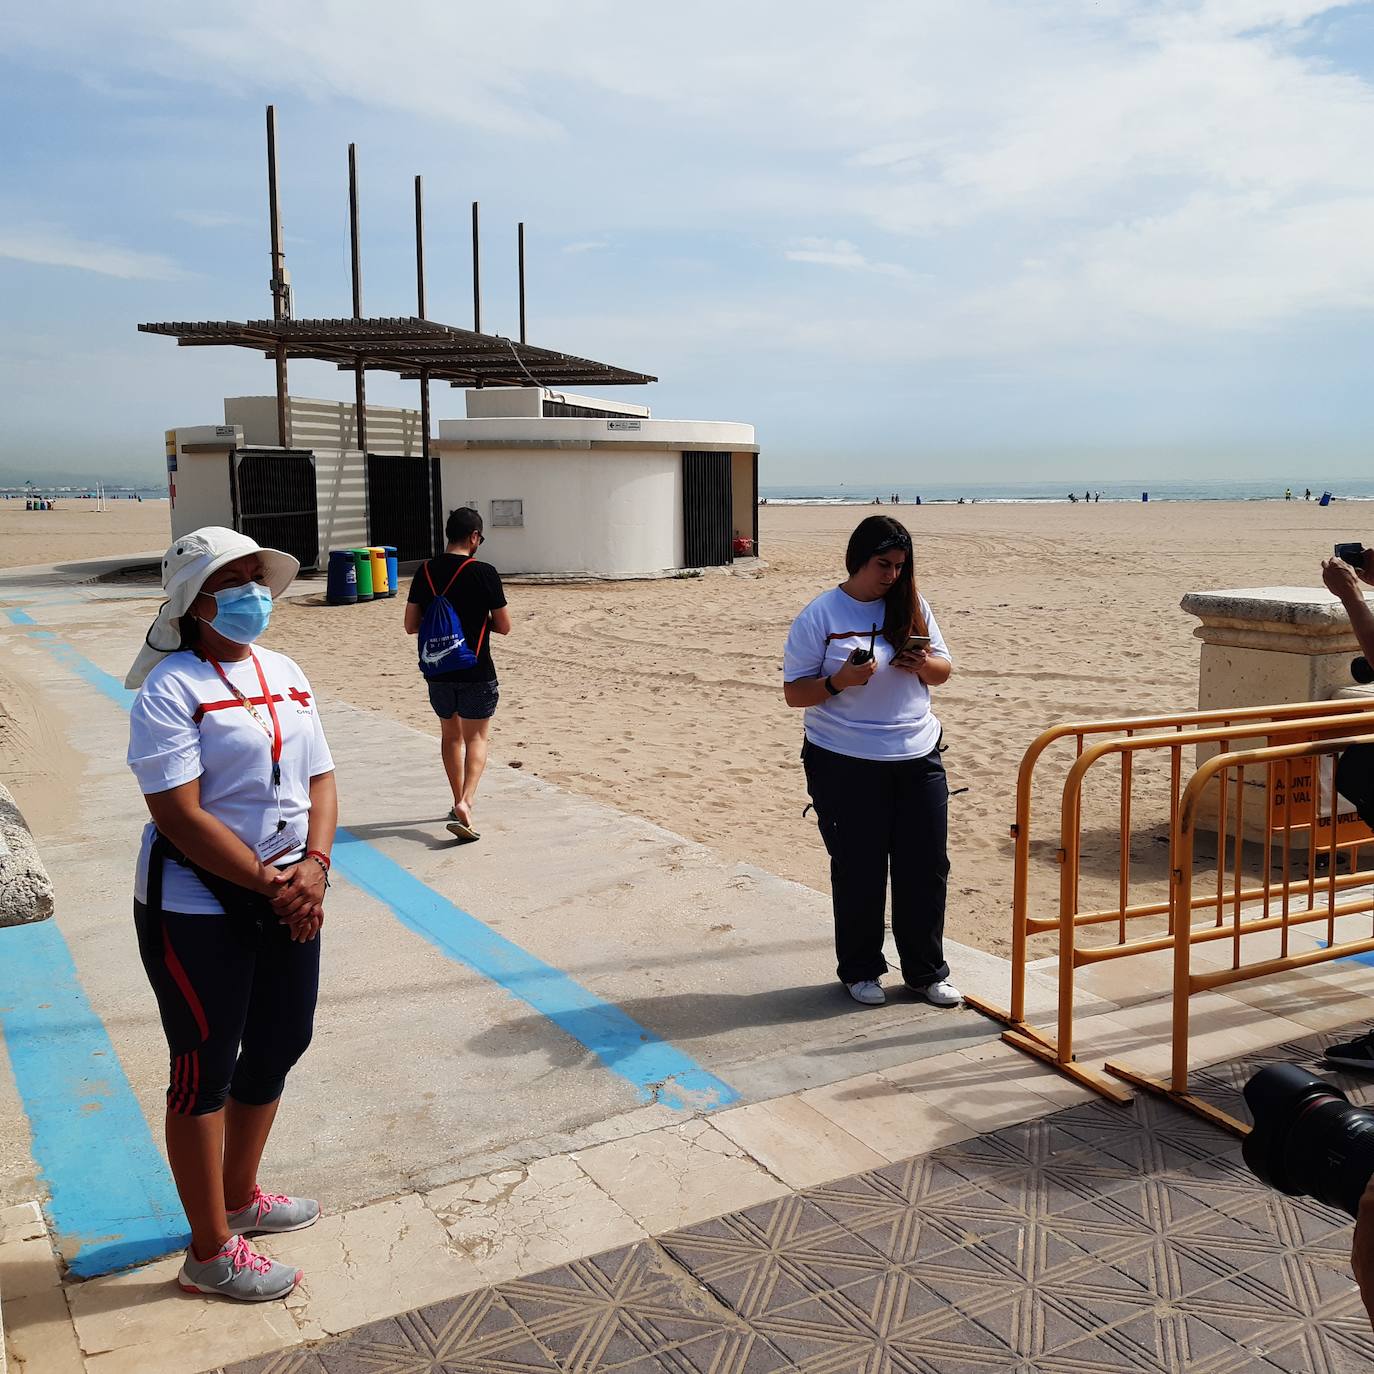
{"points": [[272, 1213], [238, 1272]]}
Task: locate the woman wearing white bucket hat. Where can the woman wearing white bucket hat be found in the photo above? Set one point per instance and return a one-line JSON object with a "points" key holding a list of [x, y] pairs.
{"points": [[227, 747]]}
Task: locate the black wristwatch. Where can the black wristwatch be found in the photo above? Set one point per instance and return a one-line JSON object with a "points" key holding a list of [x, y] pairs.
{"points": [[831, 688]]}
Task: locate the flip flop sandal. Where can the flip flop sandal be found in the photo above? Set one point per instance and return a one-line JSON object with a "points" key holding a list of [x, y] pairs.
{"points": [[464, 833]]}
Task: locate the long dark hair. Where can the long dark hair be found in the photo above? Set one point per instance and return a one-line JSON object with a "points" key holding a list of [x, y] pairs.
{"points": [[902, 605]]}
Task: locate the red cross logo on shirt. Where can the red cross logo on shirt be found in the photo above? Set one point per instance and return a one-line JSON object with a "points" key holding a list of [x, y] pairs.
{"points": [[299, 697]]}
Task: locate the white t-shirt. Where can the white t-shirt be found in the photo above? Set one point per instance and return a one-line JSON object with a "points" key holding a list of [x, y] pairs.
{"points": [[889, 717], [186, 724]]}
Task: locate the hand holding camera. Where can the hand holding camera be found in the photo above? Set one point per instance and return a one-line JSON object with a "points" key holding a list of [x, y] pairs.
{"points": [[1343, 573]]}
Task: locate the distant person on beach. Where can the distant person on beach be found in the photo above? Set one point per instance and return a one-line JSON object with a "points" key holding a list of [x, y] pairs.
{"points": [[1073, 500], [226, 744], [1307, 495], [861, 660], [464, 698], [1288, 493]]}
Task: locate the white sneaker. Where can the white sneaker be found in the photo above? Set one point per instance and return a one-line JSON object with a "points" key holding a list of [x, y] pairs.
{"points": [[868, 991], [940, 994]]}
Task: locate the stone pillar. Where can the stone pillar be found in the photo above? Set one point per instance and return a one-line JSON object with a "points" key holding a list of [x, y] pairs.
{"points": [[1269, 646]]}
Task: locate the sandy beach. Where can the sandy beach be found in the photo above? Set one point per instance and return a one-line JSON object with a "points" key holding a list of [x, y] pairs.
{"points": [[664, 698]]}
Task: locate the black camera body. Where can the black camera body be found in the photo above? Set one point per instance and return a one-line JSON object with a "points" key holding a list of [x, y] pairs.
{"points": [[1309, 1139]]}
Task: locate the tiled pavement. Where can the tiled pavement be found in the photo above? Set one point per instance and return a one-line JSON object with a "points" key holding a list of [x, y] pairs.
{"points": [[1097, 1238]]}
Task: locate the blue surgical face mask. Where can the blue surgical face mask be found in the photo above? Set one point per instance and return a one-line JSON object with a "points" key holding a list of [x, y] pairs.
{"points": [[243, 612]]}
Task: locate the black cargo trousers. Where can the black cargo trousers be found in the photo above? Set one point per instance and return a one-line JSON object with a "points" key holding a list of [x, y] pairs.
{"points": [[880, 818]]}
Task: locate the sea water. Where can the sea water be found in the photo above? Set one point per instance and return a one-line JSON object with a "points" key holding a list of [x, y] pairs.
{"points": [[853, 493]]}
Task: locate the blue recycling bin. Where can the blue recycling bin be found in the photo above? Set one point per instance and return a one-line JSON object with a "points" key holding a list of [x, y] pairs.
{"points": [[1326, 499], [393, 569], [1144, 495], [342, 587]]}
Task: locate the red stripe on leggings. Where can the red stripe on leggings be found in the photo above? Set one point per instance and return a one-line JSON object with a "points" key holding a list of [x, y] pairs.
{"points": [[174, 1088], [169, 957], [195, 1082]]}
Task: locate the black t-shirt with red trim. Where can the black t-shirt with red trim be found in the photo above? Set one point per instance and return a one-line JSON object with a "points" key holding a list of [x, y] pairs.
{"points": [[475, 593]]}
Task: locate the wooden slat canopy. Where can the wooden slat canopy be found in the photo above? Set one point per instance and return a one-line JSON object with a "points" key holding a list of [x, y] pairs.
{"points": [[404, 345]]}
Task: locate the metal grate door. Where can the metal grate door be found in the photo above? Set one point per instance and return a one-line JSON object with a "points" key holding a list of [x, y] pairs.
{"points": [[398, 507], [275, 500], [707, 523]]}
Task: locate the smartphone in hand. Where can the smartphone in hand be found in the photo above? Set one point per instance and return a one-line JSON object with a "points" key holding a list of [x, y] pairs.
{"points": [[916, 643]]}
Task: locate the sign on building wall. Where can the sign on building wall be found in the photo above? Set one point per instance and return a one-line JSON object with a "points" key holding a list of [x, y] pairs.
{"points": [[508, 514], [622, 424]]}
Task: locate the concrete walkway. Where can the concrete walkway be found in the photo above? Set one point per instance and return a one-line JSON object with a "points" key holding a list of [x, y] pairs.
{"points": [[579, 1034]]}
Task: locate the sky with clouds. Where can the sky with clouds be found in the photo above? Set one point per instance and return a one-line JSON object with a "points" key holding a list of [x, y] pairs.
{"points": [[1011, 238]]}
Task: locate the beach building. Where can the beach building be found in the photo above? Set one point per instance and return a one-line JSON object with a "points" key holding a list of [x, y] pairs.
{"points": [[567, 484]]}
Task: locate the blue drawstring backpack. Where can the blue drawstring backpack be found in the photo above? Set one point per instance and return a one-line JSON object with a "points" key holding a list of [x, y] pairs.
{"points": [[442, 646]]}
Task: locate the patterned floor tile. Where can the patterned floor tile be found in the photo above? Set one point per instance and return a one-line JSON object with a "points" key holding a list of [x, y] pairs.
{"points": [[474, 1334], [773, 1255], [613, 1309]]}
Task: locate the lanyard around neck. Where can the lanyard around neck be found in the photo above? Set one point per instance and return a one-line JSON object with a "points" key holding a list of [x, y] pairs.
{"points": [[274, 731]]}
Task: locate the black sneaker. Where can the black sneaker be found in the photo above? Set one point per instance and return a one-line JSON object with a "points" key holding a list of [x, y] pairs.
{"points": [[1353, 1054]]}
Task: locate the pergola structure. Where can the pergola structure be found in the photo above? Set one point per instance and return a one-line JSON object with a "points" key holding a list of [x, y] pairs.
{"points": [[410, 346]]}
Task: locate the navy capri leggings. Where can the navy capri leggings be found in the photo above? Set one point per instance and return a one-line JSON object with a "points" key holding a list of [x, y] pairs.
{"points": [[236, 996]]}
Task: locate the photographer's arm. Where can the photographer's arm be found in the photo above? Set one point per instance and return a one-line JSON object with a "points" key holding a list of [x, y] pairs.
{"points": [[1341, 579]]}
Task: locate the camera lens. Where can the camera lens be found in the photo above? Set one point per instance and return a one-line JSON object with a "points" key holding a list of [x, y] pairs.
{"points": [[1308, 1139]]}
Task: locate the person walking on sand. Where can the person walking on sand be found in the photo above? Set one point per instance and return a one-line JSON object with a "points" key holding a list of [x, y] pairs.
{"points": [[226, 744], [861, 660], [464, 698]]}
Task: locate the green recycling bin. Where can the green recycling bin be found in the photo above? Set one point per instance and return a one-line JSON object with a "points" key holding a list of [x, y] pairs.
{"points": [[362, 559]]}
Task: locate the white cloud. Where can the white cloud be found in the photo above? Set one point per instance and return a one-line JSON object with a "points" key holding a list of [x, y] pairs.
{"points": [[839, 253], [586, 246], [57, 248]]}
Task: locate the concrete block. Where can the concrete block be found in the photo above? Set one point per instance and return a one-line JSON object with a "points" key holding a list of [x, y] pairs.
{"points": [[370, 1263], [25, 888], [518, 1221], [679, 1176], [140, 1322]]}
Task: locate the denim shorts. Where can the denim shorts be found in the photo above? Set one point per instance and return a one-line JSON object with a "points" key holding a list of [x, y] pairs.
{"points": [[470, 700]]}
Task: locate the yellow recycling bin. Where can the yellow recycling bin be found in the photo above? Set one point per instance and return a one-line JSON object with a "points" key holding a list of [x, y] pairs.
{"points": [[380, 585]]}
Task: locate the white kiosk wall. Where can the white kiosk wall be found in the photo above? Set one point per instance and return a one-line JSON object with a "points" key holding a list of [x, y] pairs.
{"points": [[595, 511]]}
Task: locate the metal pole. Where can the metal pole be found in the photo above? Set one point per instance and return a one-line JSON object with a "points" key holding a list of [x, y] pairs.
{"points": [[520, 241], [419, 248], [359, 372], [476, 272], [436, 495], [278, 283]]}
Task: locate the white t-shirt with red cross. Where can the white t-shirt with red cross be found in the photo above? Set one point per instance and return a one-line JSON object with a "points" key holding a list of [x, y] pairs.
{"points": [[185, 723], [889, 716]]}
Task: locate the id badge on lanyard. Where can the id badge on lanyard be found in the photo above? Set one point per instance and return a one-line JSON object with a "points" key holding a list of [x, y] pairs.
{"points": [[283, 838]]}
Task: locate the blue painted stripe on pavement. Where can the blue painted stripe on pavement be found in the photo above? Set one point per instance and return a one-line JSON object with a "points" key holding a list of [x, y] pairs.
{"points": [[105, 683], [660, 1071], [113, 1202], [1366, 958], [20, 618]]}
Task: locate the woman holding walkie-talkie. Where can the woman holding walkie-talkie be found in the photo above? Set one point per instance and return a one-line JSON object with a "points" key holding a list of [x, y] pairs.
{"points": [[861, 660]]}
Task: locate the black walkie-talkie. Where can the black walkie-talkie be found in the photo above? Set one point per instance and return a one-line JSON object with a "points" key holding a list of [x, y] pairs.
{"points": [[863, 655]]}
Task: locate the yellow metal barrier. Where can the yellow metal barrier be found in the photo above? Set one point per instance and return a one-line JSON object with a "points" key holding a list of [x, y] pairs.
{"points": [[1185, 981], [1220, 728]]}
